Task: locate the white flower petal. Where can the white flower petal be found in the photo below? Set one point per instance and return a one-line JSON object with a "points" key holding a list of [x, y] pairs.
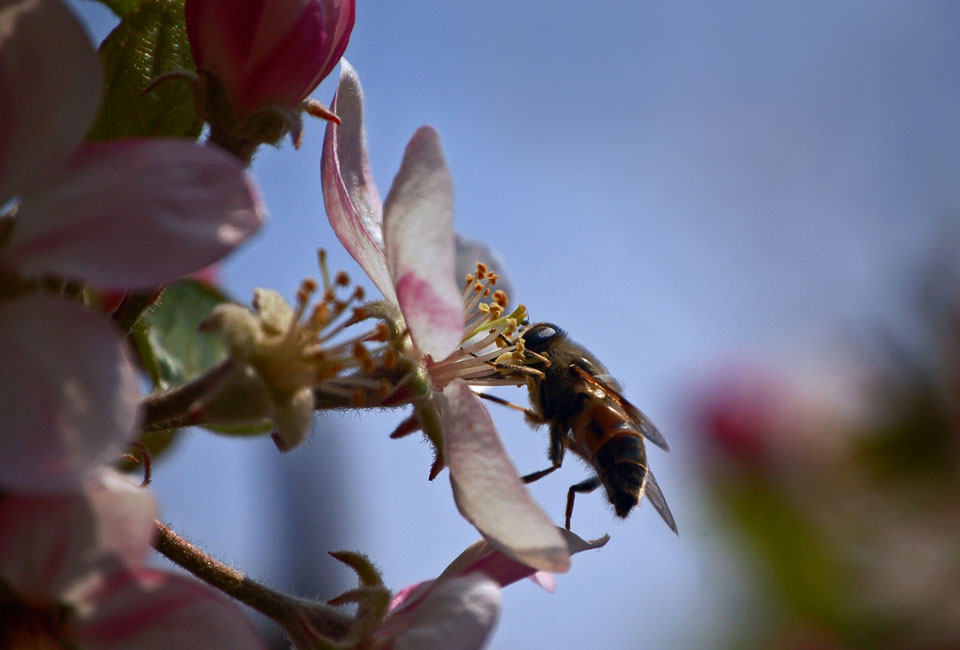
{"points": [[458, 615], [134, 214], [349, 194], [418, 240], [152, 610], [48, 543], [487, 489], [50, 84], [68, 393]]}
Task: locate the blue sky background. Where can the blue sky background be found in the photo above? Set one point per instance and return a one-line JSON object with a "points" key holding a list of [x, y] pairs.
{"points": [[679, 185]]}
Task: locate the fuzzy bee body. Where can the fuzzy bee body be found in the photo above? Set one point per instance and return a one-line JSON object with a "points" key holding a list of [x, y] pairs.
{"points": [[587, 415]]}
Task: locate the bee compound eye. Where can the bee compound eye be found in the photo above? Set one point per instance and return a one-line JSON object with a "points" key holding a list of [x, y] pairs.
{"points": [[538, 336]]}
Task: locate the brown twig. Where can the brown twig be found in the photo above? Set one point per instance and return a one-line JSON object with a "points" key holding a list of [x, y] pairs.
{"points": [[302, 619]]}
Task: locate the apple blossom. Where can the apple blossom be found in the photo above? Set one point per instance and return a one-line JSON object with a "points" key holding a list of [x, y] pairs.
{"points": [[459, 608], [407, 247], [70, 567], [123, 214]]}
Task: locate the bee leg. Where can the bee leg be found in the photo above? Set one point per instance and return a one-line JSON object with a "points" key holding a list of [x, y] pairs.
{"points": [[556, 455], [530, 413], [589, 485]]}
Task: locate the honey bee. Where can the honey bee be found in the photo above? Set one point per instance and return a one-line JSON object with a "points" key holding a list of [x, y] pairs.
{"points": [[587, 414]]}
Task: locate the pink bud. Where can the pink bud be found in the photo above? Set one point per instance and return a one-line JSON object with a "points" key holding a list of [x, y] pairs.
{"points": [[268, 52]]}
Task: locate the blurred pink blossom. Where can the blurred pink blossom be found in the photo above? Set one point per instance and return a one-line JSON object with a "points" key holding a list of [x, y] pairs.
{"points": [[71, 568], [127, 214]]}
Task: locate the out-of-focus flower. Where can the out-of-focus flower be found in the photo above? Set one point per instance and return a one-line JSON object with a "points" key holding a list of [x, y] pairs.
{"points": [[70, 566], [764, 419], [406, 246], [125, 214]]}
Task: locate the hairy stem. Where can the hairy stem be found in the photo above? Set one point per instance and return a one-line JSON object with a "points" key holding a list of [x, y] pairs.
{"points": [[171, 409], [294, 614]]}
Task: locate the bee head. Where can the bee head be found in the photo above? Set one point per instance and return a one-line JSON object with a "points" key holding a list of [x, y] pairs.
{"points": [[540, 336]]}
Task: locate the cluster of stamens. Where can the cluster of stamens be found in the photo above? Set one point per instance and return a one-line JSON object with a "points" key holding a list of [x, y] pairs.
{"points": [[349, 368], [490, 353]]}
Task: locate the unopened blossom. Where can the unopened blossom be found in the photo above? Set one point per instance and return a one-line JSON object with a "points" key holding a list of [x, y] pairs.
{"points": [[258, 60], [406, 246], [72, 575], [122, 214], [268, 52]]}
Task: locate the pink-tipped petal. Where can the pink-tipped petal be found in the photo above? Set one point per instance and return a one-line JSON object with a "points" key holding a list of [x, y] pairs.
{"points": [[349, 194], [418, 241], [482, 557], [487, 489], [458, 614], [50, 84], [68, 395], [135, 214], [152, 610], [48, 543]]}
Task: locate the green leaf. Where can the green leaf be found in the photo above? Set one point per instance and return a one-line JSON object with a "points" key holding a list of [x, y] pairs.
{"points": [[121, 7], [175, 352], [149, 42]]}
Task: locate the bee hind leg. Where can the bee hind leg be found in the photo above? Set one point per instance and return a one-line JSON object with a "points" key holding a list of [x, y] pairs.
{"points": [[556, 456], [584, 487]]}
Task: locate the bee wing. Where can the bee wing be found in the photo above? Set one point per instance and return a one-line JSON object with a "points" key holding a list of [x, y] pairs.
{"points": [[647, 428], [655, 497]]}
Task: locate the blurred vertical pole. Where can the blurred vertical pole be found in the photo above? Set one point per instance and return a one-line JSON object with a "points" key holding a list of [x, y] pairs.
{"points": [[311, 511]]}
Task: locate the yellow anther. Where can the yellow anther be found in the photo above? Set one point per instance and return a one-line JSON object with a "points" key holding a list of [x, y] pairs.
{"points": [[478, 287], [483, 308], [500, 297], [481, 270], [358, 293], [341, 279]]}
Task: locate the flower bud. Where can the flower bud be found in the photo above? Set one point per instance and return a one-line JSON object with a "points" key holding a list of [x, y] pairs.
{"points": [[268, 52]]}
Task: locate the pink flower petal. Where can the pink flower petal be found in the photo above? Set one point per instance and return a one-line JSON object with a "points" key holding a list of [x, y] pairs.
{"points": [[458, 615], [482, 557], [47, 543], [50, 82], [269, 52], [134, 214], [152, 610], [68, 396], [349, 194], [487, 489], [418, 241]]}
